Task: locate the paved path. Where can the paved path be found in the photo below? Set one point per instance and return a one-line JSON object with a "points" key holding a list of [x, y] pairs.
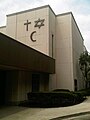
{"points": [[21, 113]]}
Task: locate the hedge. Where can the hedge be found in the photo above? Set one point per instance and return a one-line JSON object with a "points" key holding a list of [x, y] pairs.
{"points": [[53, 99], [85, 92]]}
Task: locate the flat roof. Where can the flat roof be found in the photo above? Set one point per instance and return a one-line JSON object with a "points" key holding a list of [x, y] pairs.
{"points": [[29, 10], [41, 7], [2, 26], [74, 21]]}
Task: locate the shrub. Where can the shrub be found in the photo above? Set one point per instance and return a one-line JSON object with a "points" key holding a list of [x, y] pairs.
{"points": [[79, 97], [59, 90], [85, 92], [52, 99], [56, 98]]}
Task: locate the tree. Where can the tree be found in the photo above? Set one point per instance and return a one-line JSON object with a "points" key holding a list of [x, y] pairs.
{"points": [[84, 62]]}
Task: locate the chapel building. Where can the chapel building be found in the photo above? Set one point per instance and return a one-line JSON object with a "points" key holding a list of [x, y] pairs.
{"points": [[39, 51]]}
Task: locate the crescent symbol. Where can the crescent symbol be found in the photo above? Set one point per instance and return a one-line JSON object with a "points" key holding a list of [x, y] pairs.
{"points": [[31, 36]]}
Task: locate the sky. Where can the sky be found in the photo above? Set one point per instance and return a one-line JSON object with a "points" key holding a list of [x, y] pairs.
{"points": [[79, 8]]}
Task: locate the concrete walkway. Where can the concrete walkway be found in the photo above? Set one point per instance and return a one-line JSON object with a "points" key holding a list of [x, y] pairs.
{"points": [[22, 113]]}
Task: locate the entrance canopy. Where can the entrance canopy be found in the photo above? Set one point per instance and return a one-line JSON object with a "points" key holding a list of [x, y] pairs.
{"points": [[15, 55]]}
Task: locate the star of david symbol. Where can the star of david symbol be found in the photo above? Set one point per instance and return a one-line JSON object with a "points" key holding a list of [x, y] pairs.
{"points": [[39, 23]]}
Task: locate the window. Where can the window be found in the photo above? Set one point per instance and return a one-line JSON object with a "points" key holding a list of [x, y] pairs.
{"points": [[75, 84], [52, 44]]}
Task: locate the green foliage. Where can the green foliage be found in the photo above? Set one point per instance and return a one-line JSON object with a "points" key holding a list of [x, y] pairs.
{"points": [[84, 62], [53, 99], [59, 90], [85, 92]]}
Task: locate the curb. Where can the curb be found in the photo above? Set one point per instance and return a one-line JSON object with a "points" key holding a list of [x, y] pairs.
{"points": [[72, 115]]}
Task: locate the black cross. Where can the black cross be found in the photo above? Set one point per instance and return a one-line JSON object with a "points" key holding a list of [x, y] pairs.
{"points": [[27, 23]]}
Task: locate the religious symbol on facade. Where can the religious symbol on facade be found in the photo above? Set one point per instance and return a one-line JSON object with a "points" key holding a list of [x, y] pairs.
{"points": [[31, 36], [27, 24], [39, 23]]}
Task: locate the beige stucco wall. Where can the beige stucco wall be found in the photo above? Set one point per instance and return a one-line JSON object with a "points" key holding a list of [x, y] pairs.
{"points": [[19, 83], [66, 46], [52, 33], [69, 46], [11, 90], [44, 82], [52, 46], [25, 84], [11, 26], [77, 48], [3, 29], [64, 62], [17, 29]]}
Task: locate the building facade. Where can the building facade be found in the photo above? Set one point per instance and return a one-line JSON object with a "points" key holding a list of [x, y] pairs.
{"points": [[55, 36]]}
